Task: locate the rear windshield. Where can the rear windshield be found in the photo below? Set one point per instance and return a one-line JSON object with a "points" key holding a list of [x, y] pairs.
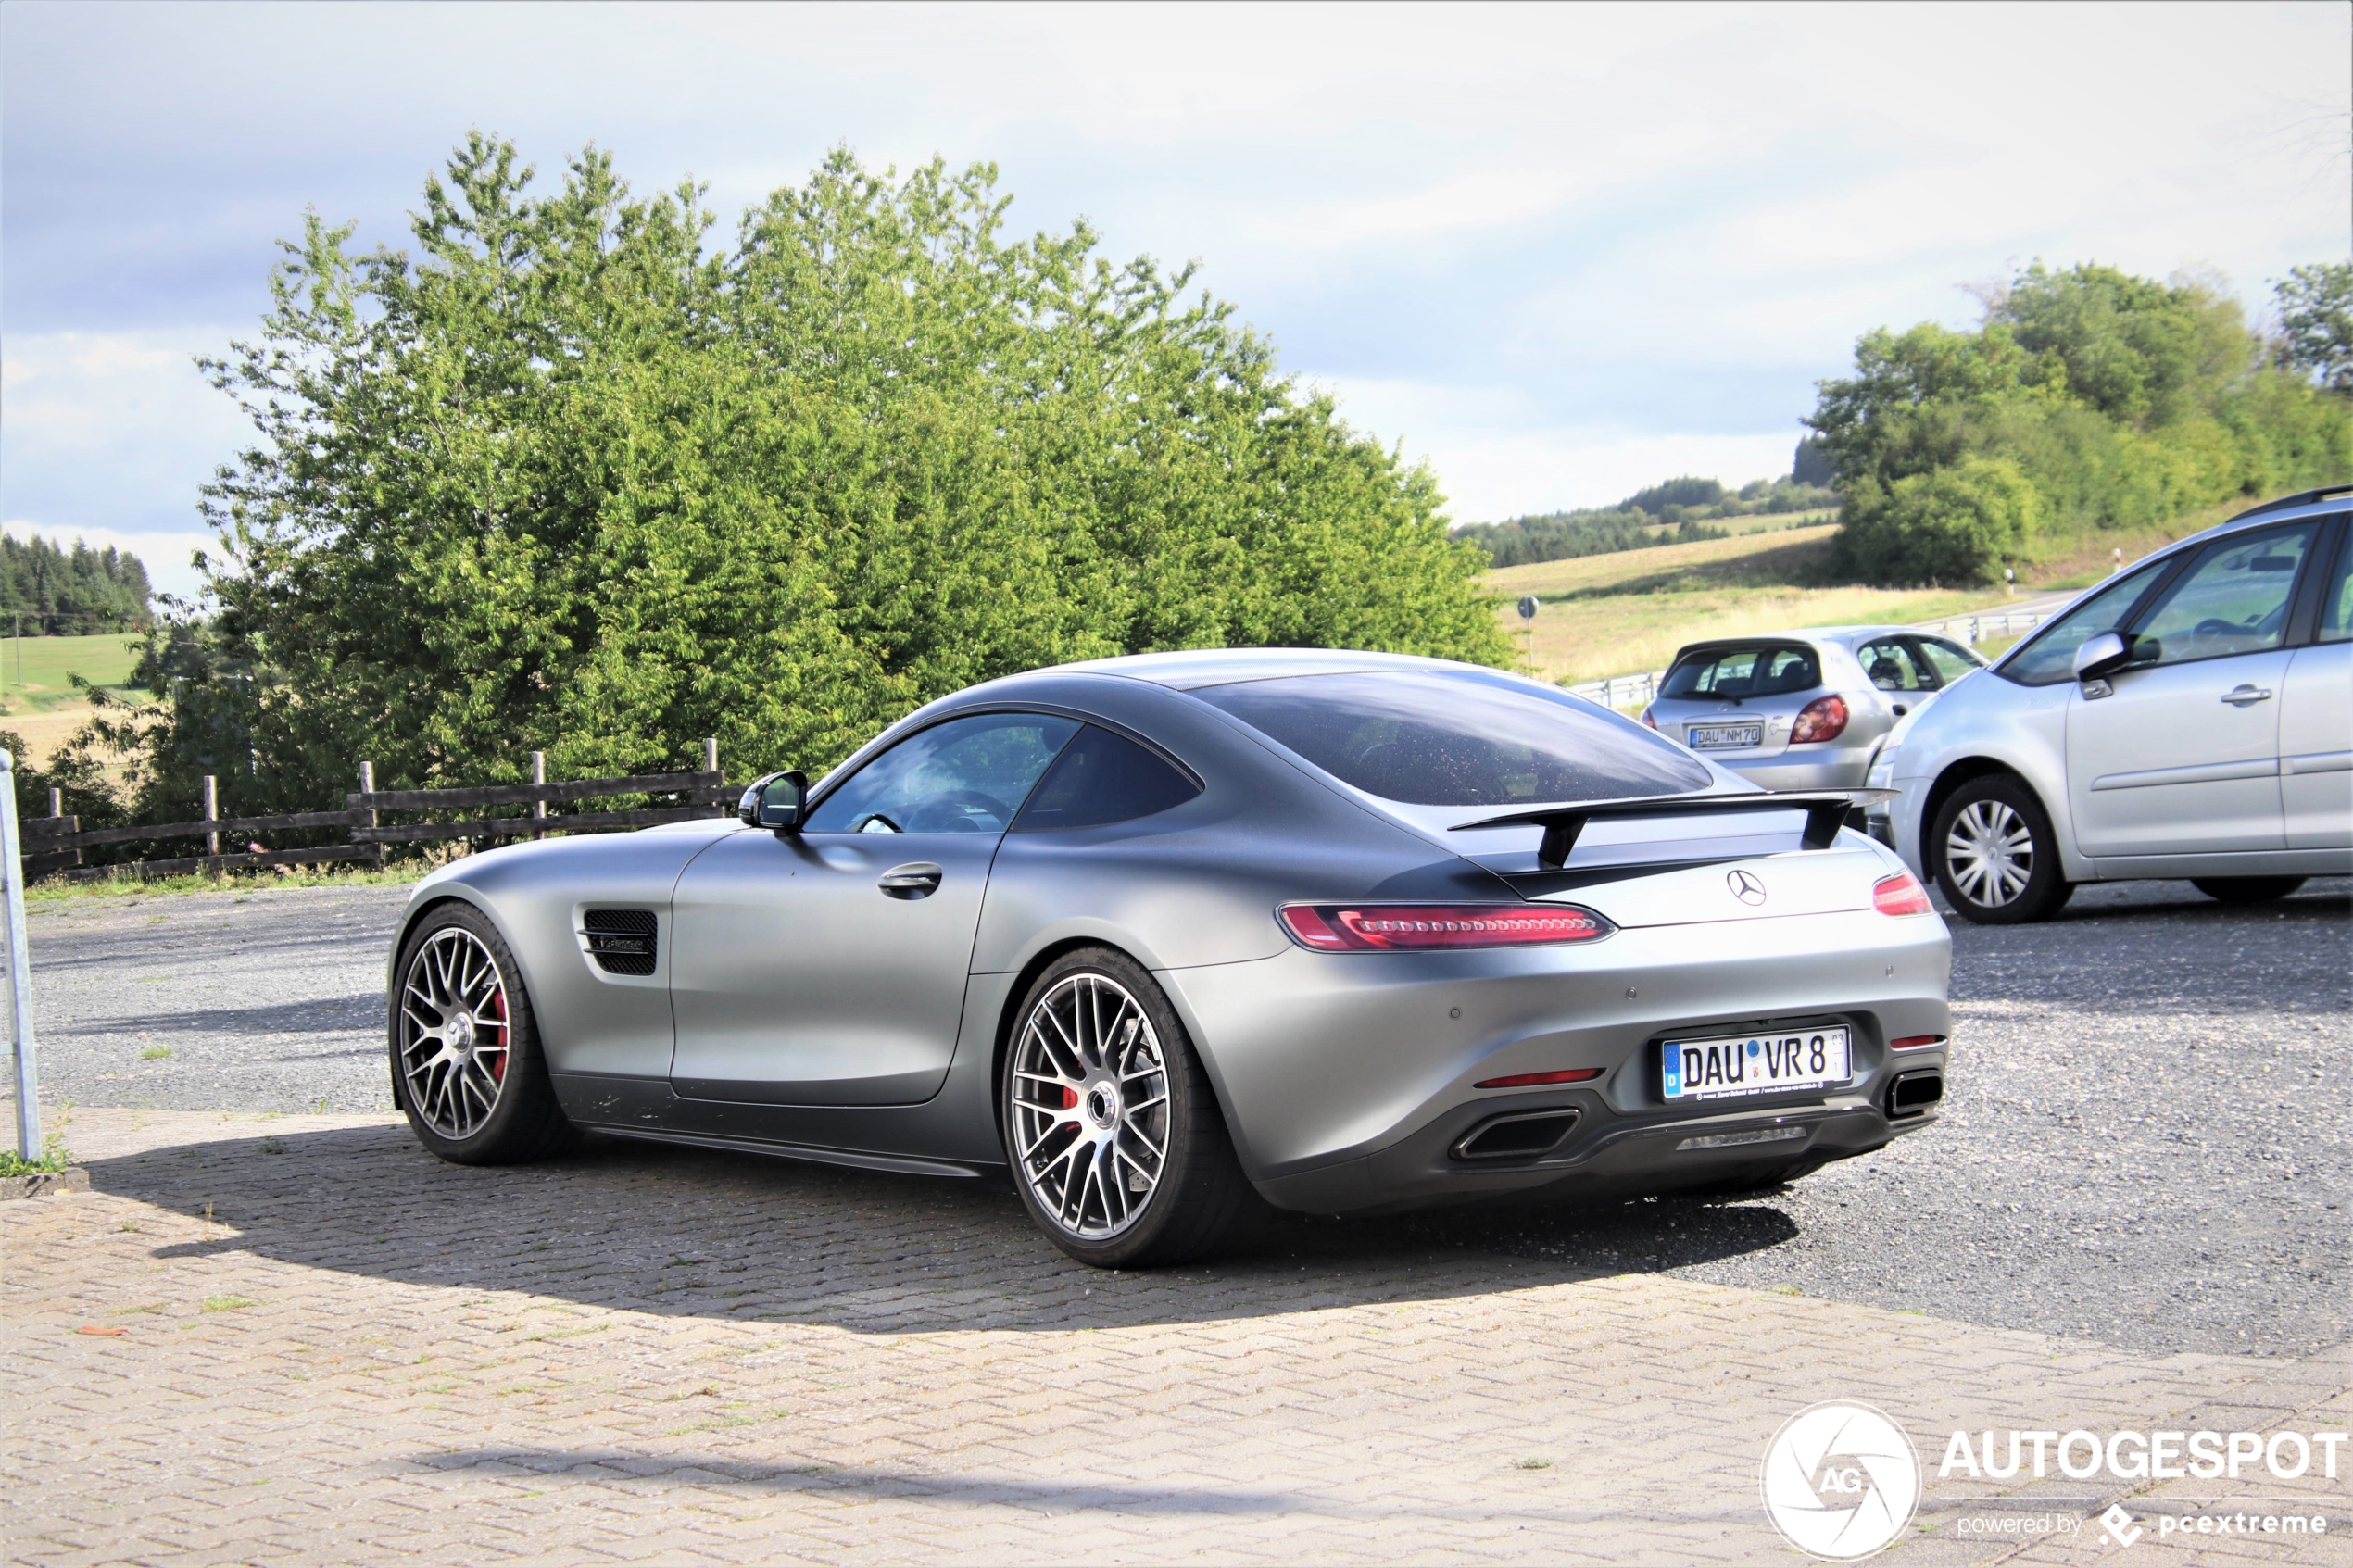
{"points": [[1760, 671], [1436, 738]]}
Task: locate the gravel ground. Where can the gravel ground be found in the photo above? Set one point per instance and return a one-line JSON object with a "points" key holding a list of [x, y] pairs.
{"points": [[2145, 1141]]}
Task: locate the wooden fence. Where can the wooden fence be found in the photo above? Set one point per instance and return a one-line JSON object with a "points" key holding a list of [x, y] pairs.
{"points": [[52, 845]]}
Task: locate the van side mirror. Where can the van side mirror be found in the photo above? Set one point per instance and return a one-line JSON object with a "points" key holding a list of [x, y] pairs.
{"points": [[2100, 654], [774, 801]]}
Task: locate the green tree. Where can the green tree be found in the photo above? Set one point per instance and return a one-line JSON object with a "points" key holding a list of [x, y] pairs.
{"points": [[2316, 323], [1957, 524], [570, 479]]}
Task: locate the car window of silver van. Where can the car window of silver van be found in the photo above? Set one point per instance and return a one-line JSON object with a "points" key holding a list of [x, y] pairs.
{"points": [[2233, 600], [2337, 599], [2048, 657]]}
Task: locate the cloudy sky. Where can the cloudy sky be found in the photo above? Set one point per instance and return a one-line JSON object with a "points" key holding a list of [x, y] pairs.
{"points": [[1561, 252]]}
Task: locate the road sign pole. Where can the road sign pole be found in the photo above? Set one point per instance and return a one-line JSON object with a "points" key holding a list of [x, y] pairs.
{"points": [[20, 965]]}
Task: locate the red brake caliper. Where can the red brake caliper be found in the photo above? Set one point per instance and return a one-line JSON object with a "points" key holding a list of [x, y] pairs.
{"points": [[1070, 1097], [498, 1067]]}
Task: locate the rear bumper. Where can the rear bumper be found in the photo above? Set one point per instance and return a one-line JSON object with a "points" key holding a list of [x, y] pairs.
{"points": [[1838, 768], [1350, 1079]]}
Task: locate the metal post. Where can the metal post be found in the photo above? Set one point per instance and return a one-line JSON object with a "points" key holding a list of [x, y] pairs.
{"points": [[368, 787], [20, 967], [711, 755], [211, 814], [57, 801], [538, 776]]}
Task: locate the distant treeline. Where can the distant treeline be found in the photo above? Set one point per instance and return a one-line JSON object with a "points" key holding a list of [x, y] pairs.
{"points": [[76, 593], [1684, 505]]}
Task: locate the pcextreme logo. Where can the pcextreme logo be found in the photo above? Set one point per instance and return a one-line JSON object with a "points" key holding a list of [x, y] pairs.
{"points": [[1841, 1480]]}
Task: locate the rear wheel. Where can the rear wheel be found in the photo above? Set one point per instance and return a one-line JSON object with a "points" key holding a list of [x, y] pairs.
{"points": [[466, 1062], [2247, 889], [1117, 1147], [1996, 857]]}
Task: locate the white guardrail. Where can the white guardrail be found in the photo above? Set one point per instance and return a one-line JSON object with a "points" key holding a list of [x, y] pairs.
{"points": [[1640, 691]]}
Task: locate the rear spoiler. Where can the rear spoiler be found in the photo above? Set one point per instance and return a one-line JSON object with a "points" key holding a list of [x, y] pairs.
{"points": [[1825, 813]]}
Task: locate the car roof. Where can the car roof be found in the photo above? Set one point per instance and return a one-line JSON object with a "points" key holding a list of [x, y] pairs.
{"points": [[1194, 668]]}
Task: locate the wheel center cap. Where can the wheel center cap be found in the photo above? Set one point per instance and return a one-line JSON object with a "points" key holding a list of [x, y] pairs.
{"points": [[462, 1031], [1102, 1105]]}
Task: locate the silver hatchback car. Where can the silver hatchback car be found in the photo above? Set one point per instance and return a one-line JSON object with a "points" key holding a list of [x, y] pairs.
{"points": [[1802, 709]]}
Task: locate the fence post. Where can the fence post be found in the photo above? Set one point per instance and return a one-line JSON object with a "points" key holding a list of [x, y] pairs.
{"points": [[57, 801], [368, 787], [538, 776], [211, 814], [20, 967], [711, 755]]}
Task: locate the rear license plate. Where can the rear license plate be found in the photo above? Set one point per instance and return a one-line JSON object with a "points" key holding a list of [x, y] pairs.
{"points": [[1754, 1064], [1726, 737]]}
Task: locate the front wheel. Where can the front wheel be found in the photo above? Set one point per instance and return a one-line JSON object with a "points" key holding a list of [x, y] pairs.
{"points": [[1996, 856], [466, 1064], [2247, 889], [1117, 1147]]}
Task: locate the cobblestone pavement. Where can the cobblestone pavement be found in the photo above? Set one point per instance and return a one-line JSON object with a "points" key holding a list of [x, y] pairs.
{"points": [[317, 1344], [2144, 1142]]}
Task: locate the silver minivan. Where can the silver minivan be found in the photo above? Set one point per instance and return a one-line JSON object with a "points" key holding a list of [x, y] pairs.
{"points": [[2191, 717], [1802, 709]]}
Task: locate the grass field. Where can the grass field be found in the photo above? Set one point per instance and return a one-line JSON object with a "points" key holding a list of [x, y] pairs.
{"points": [[36, 673], [1627, 613]]}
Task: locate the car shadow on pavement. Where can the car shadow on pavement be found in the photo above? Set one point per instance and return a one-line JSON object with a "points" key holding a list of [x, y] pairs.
{"points": [[640, 1227]]}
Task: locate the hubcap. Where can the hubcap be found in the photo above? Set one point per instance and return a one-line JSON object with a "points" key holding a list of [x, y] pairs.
{"points": [[1990, 852], [454, 1032], [1090, 1106]]}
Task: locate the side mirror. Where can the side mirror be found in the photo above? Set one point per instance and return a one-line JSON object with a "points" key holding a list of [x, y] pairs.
{"points": [[774, 801], [2101, 653]]}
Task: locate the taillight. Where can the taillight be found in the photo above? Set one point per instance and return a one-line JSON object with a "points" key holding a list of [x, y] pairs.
{"points": [[1899, 895], [1371, 928], [1822, 718], [1648, 719], [1530, 1080]]}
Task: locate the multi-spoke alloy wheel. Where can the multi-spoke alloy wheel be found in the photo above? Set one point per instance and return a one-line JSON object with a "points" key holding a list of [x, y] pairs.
{"points": [[466, 1062], [1995, 855], [1090, 1106], [1992, 852], [455, 1032], [1120, 1151]]}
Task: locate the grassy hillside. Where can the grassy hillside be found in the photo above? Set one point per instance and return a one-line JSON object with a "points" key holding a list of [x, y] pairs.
{"points": [[36, 673], [1623, 613]]}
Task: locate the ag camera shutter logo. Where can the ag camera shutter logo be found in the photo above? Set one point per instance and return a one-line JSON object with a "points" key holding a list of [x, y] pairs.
{"points": [[1841, 1481]]}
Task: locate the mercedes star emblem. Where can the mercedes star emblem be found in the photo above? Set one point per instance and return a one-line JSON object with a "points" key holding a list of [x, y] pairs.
{"points": [[1745, 887]]}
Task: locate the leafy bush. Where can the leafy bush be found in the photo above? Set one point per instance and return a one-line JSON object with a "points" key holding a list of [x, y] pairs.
{"points": [[1957, 524]]}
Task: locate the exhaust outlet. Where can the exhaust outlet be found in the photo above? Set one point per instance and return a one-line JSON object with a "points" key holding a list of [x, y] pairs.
{"points": [[1913, 1093], [1521, 1135]]}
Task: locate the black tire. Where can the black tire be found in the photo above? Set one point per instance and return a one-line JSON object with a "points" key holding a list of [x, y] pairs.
{"points": [[1077, 1090], [440, 1066], [2247, 889], [2013, 877]]}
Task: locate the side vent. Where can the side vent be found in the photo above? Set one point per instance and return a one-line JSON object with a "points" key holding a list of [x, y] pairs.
{"points": [[621, 941]]}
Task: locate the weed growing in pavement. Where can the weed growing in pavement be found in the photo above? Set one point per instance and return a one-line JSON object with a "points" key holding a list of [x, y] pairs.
{"points": [[54, 1156], [155, 1053], [229, 1303]]}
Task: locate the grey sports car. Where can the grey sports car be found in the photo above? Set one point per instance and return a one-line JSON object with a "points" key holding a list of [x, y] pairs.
{"points": [[1161, 937]]}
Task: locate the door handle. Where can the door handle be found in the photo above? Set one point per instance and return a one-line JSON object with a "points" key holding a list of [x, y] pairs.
{"points": [[914, 880], [2245, 695]]}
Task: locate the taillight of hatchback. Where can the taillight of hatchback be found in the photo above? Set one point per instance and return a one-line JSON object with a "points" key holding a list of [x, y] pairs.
{"points": [[1822, 718], [1379, 928], [1899, 895], [1648, 719]]}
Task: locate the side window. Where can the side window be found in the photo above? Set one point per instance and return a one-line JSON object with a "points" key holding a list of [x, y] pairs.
{"points": [[967, 775], [1948, 660], [1889, 665], [2336, 597], [2048, 657], [2233, 600], [1102, 777]]}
